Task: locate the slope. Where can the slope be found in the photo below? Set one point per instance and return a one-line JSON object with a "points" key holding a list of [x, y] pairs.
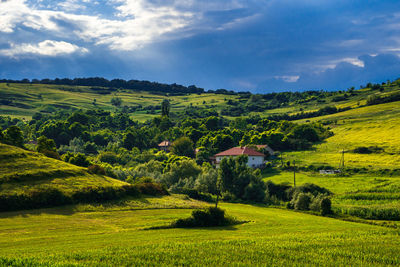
{"points": [[370, 126], [25, 174]]}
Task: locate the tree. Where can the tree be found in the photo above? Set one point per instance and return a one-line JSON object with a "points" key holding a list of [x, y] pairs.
{"points": [[241, 181], [208, 182], [183, 147], [13, 136], [45, 144], [116, 101], [47, 147], [165, 107]]}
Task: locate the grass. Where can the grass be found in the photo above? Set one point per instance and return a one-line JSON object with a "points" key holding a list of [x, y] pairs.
{"points": [[22, 171], [27, 99], [273, 237], [374, 196], [376, 125]]}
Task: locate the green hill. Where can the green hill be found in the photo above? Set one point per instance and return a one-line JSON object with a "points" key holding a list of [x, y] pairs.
{"points": [[24, 100], [370, 126], [27, 176]]}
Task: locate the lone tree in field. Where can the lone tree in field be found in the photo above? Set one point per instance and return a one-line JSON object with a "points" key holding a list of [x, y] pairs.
{"points": [[165, 107], [209, 182]]}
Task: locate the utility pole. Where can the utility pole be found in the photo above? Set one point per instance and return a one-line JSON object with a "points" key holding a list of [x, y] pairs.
{"points": [[341, 164], [294, 173]]}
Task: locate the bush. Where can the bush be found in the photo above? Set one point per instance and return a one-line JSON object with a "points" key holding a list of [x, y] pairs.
{"points": [[308, 188], [77, 159], [302, 201], [96, 169], [326, 206], [51, 154], [208, 217], [368, 150], [148, 186], [278, 191]]}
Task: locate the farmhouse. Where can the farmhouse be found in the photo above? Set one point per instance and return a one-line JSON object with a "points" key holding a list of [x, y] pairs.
{"points": [[255, 158], [164, 145]]}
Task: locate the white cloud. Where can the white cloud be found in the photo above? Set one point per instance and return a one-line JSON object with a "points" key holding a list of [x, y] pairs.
{"points": [[354, 61], [45, 48], [288, 78], [135, 24]]}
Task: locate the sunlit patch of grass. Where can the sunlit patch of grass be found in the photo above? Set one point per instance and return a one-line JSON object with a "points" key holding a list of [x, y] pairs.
{"points": [[64, 236]]}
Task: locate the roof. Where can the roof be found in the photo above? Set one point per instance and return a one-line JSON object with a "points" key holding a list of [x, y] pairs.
{"points": [[164, 143], [236, 151], [263, 147]]}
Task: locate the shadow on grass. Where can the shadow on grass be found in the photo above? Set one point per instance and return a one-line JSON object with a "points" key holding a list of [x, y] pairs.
{"points": [[60, 210], [216, 228]]}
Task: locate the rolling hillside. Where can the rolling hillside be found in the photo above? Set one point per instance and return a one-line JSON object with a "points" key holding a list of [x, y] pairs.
{"points": [[377, 126], [25, 173], [24, 100]]}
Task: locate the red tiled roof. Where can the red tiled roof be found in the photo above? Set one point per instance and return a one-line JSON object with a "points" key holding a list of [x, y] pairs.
{"points": [[236, 151], [164, 143], [261, 146]]}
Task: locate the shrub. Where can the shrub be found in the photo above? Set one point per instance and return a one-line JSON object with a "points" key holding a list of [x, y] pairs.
{"points": [[79, 160], [277, 190], [302, 201], [109, 157], [208, 217], [307, 188], [326, 206], [51, 154], [148, 186], [96, 169]]}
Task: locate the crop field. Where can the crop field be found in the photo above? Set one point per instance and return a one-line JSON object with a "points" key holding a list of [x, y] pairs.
{"points": [[377, 125], [116, 235], [364, 195]]}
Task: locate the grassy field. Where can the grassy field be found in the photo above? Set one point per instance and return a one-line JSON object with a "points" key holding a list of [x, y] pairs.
{"points": [[364, 195], [28, 99], [22, 171], [376, 125], [111, 235]]}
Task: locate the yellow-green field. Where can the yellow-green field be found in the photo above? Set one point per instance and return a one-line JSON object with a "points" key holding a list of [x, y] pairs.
{"points": [[109, 236], [377, 125], [22, 171], [30, 98], [377, 196]]}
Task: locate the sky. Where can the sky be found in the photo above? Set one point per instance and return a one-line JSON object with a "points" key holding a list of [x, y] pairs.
{"points": [[250, 45]]}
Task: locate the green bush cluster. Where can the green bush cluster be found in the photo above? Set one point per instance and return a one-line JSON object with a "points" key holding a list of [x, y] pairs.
{"points": [[51, 197], [208, 217]]}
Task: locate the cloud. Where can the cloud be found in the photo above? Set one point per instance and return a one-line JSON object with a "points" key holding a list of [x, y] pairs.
{"points": [[133, 24], [45, 48], [346, 74]]}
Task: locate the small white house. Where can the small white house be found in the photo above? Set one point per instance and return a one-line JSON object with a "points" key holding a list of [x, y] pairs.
{"points": [[255, 158]]}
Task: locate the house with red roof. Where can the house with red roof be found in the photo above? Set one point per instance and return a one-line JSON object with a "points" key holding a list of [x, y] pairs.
{"points": [[255, 158]]}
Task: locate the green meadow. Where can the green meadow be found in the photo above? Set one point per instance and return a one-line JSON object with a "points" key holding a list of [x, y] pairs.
{"points": [[377, 125], [23, 171], [110, 236], [366, 196], [27, 99]]}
